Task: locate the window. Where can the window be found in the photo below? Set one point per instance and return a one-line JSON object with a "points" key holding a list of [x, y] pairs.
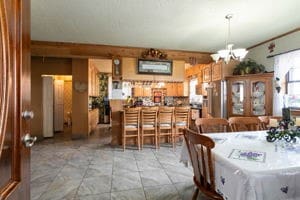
{"points": [[293, 87]]}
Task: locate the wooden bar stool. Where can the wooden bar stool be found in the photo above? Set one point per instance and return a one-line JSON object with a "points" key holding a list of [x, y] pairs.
{"points": [[165, 123], [181, 121], [148, 124], [212, 125], [131, 125]]}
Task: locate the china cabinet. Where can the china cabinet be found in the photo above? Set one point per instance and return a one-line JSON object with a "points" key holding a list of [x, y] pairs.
{"points": [[250, 95]]}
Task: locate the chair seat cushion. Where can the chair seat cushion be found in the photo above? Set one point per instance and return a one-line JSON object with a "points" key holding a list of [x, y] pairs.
{"points": [[131, 126], [180, 123], [165, 125], [148, 125]]}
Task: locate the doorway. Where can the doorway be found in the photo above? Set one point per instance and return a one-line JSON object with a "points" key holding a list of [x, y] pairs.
{"points": [[57, 106]]}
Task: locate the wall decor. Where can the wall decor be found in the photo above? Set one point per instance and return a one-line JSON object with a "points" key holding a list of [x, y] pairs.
{"points": [[162, 67], [154, 53]]}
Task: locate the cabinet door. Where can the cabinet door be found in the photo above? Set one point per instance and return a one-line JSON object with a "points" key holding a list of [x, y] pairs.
{"points": [[169, 87], [261, 97], [216, 71], [138, 91], [206, 73], [179, 87], [200, 76], [147, 92], [236, 98]]}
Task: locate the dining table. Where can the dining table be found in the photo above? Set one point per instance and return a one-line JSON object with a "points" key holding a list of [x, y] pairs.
{"points": [[248, 167]]}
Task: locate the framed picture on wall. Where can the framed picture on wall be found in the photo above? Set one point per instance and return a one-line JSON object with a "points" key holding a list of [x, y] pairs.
{"points": [[159, 67]]}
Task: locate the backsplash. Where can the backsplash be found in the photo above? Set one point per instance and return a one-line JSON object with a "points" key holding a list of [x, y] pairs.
{"points": [[169, 101]]}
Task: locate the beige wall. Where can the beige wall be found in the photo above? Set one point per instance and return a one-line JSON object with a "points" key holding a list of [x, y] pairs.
{"points": [[283, 44], [39, 66]]}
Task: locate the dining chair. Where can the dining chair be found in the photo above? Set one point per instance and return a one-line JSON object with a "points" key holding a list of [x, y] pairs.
{"points": [[165, 123], [244, 124], [265, 121], [181, 121], [212, 125], [199, 147], [148, 124], [131, 125]]}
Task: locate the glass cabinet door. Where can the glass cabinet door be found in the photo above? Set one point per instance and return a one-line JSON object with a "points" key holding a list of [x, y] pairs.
{"points": [[258, 94], [237, 96]]}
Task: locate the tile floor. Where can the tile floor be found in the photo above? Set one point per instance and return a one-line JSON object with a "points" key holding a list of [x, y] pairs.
{"points": [[91, 169]]}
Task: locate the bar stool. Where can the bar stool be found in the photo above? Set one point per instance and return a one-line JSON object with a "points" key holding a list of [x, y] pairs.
{"points": [[131, 125], [181, 121], [148, 124], [165, 123]]}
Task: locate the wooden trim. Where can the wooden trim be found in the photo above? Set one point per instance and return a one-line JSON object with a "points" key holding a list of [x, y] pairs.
{"points": [[274, 38], [79, 50], [271, 56]]}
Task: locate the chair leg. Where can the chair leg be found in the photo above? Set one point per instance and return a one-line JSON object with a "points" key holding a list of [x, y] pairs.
{"points": [[124, 140], [139, 141], [195, 195], [142, 139], [155, 138]]}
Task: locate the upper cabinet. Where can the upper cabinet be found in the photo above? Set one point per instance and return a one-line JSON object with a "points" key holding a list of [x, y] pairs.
{"points": [[206, 73], [220, 69], [250, 95], [93, 78]]}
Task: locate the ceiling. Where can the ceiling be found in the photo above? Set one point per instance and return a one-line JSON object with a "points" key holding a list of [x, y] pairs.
{"points": [[195, 25]]}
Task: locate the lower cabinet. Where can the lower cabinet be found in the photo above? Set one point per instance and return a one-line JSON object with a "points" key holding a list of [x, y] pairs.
{"points": [[93, 119]]}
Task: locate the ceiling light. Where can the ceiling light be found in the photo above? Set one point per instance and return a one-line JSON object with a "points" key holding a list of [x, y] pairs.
{"points": [[229, 53]]}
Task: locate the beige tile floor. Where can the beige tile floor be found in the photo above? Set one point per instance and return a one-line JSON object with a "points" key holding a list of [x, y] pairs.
{"points": [[91, 169]]}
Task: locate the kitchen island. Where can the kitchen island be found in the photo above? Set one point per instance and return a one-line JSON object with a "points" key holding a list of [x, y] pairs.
{"points": [[117, 114]]}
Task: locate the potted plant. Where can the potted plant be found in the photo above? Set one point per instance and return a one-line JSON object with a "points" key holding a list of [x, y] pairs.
{"points": [[248, 66]]}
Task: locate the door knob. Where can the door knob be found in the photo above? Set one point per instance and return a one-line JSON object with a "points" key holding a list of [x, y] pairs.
{"points": [[28, 141], [27, 114]]}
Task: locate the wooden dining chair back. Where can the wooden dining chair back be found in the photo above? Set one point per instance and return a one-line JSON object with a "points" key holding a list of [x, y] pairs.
{"points": [[265, 121], [148, 124], [199, 147], [131, 125], [244, 123], [165, 123], [212, 125], [181, 121]]}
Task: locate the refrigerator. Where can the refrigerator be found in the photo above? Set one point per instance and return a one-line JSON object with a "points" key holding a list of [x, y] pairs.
{"points": [[216, 99]]}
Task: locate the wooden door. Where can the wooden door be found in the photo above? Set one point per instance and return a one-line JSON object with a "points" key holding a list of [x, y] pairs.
{"points": [[14, 99], [47, 106], [58, 105]]}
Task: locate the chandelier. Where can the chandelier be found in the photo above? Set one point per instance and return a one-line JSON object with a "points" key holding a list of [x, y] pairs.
{"points": [[229, 53]]}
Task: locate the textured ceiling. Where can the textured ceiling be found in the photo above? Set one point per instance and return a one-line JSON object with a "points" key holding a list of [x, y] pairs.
{"points": [[196, 25]]}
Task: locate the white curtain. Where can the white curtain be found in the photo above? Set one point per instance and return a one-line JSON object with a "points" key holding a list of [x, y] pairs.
{"points": [[283, 63]]}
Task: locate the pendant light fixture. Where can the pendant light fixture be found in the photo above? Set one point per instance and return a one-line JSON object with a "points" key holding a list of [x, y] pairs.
{"points": [[229, 53]]}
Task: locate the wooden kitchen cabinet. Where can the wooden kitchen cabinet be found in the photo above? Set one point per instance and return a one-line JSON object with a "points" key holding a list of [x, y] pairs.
{"points": [[142, 92], [250, 95], [216, 71], [93, 120], [206, 73], [93, 86], [220, 70]]}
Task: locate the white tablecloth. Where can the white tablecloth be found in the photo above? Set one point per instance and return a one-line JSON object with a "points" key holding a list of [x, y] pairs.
{"points": [[247, 167]]}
